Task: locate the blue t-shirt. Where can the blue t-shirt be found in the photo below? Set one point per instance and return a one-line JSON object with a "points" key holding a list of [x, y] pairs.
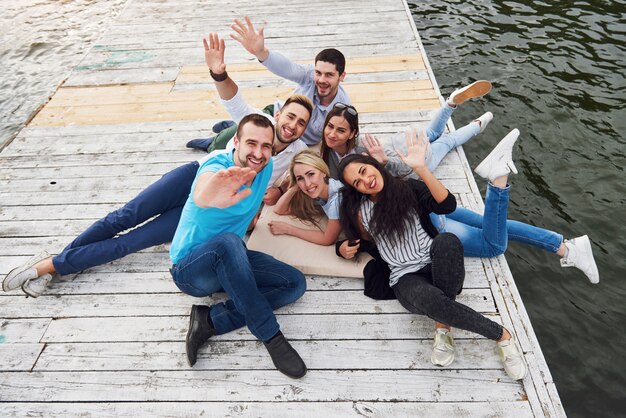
{"points": [[198, 225], [331, 206]]}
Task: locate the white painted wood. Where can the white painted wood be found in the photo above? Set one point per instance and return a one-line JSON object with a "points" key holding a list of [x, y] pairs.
{"points": [[178, 304], [18, 357], [416, 386], [296, 327], [20, 331], [518, 409], [229, 355]]}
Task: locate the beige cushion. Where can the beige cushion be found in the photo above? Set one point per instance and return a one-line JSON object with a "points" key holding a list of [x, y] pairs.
{"points": [[309, 258]]}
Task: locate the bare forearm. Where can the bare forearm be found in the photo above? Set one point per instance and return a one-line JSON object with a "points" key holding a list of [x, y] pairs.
{"points": [[226, 89], [283, 206], [316, 237]]}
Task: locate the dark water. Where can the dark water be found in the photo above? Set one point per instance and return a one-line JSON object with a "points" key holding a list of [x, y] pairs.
{"points": [[558, 70]]}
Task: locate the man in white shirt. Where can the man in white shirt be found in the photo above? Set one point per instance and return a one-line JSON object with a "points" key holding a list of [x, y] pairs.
{"points": [[291, 120]]}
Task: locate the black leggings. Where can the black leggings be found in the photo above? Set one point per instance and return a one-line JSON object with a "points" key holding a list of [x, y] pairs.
{"points": [[432, 290]]}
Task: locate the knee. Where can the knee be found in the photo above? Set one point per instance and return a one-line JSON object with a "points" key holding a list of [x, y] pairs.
{"points": [[447, 243], [229, 241], [297, 282], [494, 250]]}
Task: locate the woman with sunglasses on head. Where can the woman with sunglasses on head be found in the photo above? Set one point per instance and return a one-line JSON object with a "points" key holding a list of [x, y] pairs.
{"points": [[427, 269], [340, 136], [311, 195]]}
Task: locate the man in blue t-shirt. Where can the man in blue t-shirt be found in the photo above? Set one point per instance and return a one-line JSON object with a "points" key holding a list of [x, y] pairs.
{"points": [[209, 255]]}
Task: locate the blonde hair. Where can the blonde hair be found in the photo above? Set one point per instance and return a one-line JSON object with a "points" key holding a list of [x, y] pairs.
{"points": [[302, 100], [301, 205]]}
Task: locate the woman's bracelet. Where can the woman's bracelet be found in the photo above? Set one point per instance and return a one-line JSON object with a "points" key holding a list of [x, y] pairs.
{"points": [[218, 77], [282, 192]]}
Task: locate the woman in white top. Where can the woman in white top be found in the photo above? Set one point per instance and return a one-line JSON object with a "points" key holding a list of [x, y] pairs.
{"points": [[311, 195]]}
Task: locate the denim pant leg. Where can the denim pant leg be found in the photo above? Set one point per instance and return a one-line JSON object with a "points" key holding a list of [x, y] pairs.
{"points": [[158, 231], [279, 283], [438, 122], [517, 231], [222, 264], [432, 290], [487, 239], [167, 193], [449, 141]]}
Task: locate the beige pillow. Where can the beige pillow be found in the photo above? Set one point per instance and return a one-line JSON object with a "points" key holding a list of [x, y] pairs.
{"points": [[309, 258]]}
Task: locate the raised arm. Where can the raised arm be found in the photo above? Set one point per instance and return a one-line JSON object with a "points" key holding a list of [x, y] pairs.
{"points": [[254, 42], [222, 189], [226, 87], [416, 159], [214, 58]]}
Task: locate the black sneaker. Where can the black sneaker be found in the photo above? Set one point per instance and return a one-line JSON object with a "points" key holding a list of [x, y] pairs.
{"points": [[285, 357], [220, 126], [201, 143], [200, 330]]}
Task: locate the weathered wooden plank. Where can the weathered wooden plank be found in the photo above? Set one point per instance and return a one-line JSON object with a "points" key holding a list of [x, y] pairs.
{"points": [[21, 331], [18, 357], [415, 386], [116, 280], [295, 327], [247, 355], [113, 195], [518, 409], [313, 302]]}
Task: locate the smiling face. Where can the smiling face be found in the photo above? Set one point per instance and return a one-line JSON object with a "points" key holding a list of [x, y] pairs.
{"points": [[327, 80], [337, 132], [365, 178], [311, 181], [291, 121], [254, 148]]}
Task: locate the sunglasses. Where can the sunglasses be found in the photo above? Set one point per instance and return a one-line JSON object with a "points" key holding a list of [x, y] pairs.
{"points": [[350, 109]]}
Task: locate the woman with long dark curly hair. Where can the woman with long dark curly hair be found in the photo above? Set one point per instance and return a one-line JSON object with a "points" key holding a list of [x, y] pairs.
{"points": [[427, 270]]}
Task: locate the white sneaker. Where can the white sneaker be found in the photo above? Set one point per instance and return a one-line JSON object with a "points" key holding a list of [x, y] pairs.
{"points": [[35, 287], [499, 162], [512, 359], [20, 275], [443, 348], [580, 256], [476, 89], [484, 120]]}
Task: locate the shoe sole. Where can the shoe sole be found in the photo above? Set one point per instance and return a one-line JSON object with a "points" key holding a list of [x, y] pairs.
{"points": [[24, 289], [587, 248], [31, 262], [511, 137], [476, 89]]}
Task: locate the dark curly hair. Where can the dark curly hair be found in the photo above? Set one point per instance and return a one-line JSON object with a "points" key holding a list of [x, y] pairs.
{"points": [[395, 205]]}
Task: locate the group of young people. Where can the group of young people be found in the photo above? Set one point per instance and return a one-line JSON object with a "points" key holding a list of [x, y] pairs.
{"points": [[306, 158]]}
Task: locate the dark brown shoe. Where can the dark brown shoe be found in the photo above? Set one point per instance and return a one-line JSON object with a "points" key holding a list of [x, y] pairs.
{"points": [[200, 330], [285, 357]]}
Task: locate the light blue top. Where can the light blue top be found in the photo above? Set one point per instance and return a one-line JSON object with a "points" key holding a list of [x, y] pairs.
{"points": [[198, 225], [331, 206], [303, 76]]}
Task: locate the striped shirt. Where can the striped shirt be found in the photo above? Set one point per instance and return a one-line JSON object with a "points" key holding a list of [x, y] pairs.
{"points": [[403, 257]]}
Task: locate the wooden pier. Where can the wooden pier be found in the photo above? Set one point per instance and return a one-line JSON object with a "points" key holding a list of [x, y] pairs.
{"points": [[110, 341]]}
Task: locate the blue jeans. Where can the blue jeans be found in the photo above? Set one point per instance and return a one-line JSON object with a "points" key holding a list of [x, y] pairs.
{"points": [[100, 243], [487, 235], [255, 282], [442, 143]]}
